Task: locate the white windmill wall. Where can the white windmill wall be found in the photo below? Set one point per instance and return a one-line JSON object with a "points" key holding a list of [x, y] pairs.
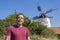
{"points": [[45, 21]]}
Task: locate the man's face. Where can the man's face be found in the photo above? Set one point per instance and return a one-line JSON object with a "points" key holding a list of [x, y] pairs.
{"points": [[20, 19]]}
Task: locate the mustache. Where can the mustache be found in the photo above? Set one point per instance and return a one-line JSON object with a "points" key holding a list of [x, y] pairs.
{"points": [[19, 21]]}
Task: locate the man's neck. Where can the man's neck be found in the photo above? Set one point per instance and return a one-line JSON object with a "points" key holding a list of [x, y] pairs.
{"points": [[20, 25]]}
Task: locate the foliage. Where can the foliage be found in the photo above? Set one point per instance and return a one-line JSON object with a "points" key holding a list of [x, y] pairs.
{"points": [[2, 28], [36, 27], [48, 33], [35, 37], [58, 36], [26, 21]]}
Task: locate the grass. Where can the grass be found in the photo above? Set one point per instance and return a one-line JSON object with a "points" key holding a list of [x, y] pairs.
{"points": [[36, 37]]}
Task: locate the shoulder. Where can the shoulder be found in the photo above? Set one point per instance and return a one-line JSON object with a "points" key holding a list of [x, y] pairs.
{"points": [[8, 30], [26, 28], [10, 27]]}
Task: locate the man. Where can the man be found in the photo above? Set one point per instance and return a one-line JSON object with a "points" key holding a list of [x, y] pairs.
{"points": [[18, 31]]}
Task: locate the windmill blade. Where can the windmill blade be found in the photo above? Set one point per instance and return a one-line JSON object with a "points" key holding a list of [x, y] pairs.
{"points": [[38, 7], [50, 17], [50, 10], [36, 17]]}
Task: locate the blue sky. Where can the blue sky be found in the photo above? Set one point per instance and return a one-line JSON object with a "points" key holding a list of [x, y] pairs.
{"points": [[28, 7]]}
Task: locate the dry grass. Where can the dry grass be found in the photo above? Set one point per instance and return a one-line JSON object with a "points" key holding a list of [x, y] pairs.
{"points": [[36, 37], [42, 38]]}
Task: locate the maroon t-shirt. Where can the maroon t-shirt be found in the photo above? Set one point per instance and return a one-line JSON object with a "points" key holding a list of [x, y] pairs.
{"points": [[17, 33]]}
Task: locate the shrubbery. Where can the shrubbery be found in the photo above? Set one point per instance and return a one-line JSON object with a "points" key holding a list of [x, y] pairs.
{"points": [[36, 27], [39, 29], [48, 33]]}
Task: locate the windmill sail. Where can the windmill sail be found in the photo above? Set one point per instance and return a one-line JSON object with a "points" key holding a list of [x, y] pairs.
{"points": [[50, 10], [39, 8]]}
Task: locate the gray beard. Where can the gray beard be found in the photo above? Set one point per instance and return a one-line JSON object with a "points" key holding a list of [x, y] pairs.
{"points": [[20, 23]]}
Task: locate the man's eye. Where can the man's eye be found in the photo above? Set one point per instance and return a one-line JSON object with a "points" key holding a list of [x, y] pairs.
{"points": [[21, 17]]}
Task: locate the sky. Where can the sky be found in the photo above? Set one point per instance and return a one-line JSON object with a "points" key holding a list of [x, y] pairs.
{"points": [[29, 9]]}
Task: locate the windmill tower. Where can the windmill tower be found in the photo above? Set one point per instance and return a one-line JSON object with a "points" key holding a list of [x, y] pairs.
{"points": [[43, 18]]}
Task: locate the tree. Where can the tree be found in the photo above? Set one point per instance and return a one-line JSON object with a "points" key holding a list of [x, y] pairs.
{"points": [[26, 21], [2, 27]]}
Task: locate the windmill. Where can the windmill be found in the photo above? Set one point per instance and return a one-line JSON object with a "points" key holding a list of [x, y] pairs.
{"points": [[43, 18]]}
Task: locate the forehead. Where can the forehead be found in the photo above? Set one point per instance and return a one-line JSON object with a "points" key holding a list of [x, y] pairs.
{"points": [[20, 16]]}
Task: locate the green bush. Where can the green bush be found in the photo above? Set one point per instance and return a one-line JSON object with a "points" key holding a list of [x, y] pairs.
{"points": [[26, 21], [48, 33], [35, 37], [36, 27]]}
